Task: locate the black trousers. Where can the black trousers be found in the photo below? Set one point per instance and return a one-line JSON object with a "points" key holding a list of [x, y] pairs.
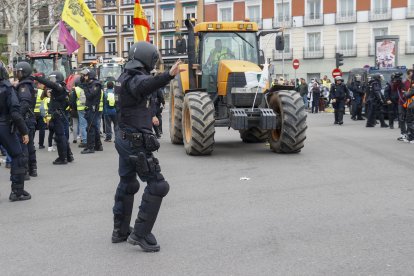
{"points": [[10, 142], [392, 113], [59, 122], [93, 119], [402, 119], [41, 127], [339, 109]]}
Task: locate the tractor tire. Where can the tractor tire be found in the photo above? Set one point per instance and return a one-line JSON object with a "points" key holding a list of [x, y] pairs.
{"points": [[289, 107], [254, 135], [198, 123], [176, 113]]}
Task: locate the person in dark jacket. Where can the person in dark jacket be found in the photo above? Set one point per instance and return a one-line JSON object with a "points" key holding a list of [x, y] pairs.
{"points": [[409, 95], [316, 94], [110, 116], [339, 95], [93, 94], [135, 144], [375, 101], [159, 102], [27, 96], [358, 92], [303, 91], [393, 94], [11, 119], [59, 101]]}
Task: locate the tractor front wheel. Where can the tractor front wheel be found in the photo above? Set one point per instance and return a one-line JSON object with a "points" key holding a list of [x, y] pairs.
{"points": [[176, 113]]}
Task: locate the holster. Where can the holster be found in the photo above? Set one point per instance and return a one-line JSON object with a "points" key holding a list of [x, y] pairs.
{"points": [[145, 166]]}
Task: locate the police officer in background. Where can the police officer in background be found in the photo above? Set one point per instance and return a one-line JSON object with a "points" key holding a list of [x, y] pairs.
{"points": [[59, 101], [159, 103], [394, 94], [358, 90], [27, 96], [339, 95], [135, 144], [10, 114], [375, 102], [93, 94]]}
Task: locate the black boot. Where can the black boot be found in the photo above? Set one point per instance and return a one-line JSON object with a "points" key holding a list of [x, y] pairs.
{"points": [[19, 195], [87, 151], [33, 170], [144, 223], [27, 176], [121, 229], [60, 161]]}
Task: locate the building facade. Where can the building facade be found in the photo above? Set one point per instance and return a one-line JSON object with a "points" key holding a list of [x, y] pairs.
{"points": [[317, 29], [165, 18]]}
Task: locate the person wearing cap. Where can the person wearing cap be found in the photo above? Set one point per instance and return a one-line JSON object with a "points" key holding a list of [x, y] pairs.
{"points": [[339, 95], [135, 143]]}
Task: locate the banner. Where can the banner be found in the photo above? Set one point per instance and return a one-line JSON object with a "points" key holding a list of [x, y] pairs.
{"points": [[77, 15], [385, 53], [66, 39], [141, 26]]}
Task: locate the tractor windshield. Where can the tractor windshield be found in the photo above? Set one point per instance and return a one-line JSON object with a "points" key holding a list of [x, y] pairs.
{"points": [[219, 46], [109, 72], [48, 65]]}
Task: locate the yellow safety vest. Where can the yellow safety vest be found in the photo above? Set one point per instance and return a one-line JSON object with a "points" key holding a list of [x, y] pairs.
{"points": [[79, 105], [46, 106], [101, 102], [38, 101], [218, 55], [111, 99]]}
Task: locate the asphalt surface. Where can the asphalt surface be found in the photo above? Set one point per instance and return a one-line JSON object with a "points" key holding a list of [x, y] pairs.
{"points": [[343, 206]]}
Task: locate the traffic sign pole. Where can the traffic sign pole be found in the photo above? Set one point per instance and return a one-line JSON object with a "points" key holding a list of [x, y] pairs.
{"points": [[295, 64]]}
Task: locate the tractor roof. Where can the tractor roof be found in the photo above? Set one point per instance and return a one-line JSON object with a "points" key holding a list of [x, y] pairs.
{"points": [[238, 26]]}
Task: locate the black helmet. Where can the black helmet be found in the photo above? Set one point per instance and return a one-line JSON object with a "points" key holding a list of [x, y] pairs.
{"points": [[56, 76], [142, 55], [4, 75], [24, 67], [376, 76], [88, 72]]}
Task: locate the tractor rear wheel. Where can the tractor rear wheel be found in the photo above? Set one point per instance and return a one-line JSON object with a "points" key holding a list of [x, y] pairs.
{"points": [[291, 132], [176, 113], [254, 135], [198, 123]]}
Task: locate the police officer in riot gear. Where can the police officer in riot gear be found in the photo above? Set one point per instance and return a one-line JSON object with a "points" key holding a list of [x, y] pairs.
{"points": [[375, 101], [27, 96], [93, 94], [393, 94], [339, 95], [59, 101], [10, 114], [358, 90], [135, 144]]}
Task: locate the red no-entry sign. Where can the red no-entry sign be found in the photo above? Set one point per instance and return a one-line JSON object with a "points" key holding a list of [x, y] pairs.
{"points": [[336, 72], [295, 64]]}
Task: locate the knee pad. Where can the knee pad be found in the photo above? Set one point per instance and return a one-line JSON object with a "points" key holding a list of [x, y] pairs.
{"points": [[132, 187], [159, 188]]}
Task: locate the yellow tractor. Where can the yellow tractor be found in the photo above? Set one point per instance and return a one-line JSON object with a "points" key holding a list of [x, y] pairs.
{"points": [[216, 91]]}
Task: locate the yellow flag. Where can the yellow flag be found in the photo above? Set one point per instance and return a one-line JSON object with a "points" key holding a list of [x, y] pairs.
{"points": [[77, 15], [141, 26]]}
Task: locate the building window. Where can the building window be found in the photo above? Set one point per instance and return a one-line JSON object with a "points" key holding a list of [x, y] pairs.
{"points": [[283, 11], [151, 37], [314, 42], [44, 15], [253, 12], [346, 8], [167, 15], [111, 46], [190, 12], [379, 32], [314, 9], [128, 21], [90, 49], [111, 21], [149, 15], [380, 6], [167, 42], [346, 40], [225, 14]]}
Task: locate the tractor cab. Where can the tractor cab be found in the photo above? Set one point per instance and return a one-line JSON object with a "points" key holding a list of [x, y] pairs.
{"points": [[48, 62], [109, 71]]}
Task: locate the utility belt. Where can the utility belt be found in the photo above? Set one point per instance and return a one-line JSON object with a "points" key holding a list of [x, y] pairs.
{"points": [[138, 139]]}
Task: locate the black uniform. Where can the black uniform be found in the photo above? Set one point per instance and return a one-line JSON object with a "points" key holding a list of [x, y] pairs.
{"points": [[410, 115], [358, 90], [10, 113], [393, 91], [375, 103], [158, 98], [135, 143], [27, 96], [59, 101], [340, 93], [93, 94]]}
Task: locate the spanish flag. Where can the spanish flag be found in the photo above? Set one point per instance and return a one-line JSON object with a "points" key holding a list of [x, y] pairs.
{"points": [[141, 26], [77, 15]]}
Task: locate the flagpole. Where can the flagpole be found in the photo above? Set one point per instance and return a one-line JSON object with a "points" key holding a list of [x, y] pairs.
{"points": [[29, 30]]}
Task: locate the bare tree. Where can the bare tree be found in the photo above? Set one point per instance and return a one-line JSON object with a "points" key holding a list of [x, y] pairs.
{"points": [[16, 17]]}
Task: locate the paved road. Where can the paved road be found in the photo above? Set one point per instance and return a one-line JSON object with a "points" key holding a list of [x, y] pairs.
{"points": [[343, 206]]}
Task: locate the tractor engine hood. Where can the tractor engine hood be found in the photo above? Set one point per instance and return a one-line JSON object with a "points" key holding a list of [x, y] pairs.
{"points": [[231, 74]]}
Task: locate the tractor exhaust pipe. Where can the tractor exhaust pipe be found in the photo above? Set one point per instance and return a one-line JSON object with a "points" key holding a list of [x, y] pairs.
{"points": [[191, 54]]}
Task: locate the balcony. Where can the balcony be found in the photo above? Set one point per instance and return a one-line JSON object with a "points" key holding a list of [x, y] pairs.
{"points": [[343, 17], [380, 14], [350, 51], [96, 55], [283, 21], [146, 2], [44, 20], [109, 29], [128, 2], [313, 52], [313, 19], [259, 22], [280, 55], [371, 49], [91, 5], [109, 4], [171, 52], [126, 28], [167, 25], [409, 48]]}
